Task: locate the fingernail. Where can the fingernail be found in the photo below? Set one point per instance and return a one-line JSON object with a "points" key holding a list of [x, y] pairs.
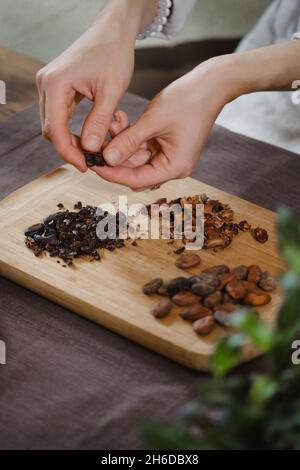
{"points": [[113, 156], [93, 143]]}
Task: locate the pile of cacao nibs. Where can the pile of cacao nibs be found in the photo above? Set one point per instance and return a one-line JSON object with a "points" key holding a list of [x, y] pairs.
{"points": [[210, 297], [70, 234], [219, 225]]}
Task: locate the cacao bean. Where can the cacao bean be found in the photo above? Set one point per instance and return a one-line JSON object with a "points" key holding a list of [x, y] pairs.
{"points": [[185, 298], [257, 299], [194, 312], [254, 273], [267, 282], [236, 289], [226, 277], [161, 308], [152, 287], [187, 261], [241, 272], [227, 308], [177, 284], [213, 299], [204, 325], [217, 270], [222, 318]]}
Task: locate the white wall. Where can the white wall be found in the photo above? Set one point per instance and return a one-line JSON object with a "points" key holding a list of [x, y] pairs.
{"points": [[43, 28]]}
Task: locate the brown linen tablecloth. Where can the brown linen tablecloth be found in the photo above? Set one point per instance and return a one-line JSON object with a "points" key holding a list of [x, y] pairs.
{"points": [[69, 383]]}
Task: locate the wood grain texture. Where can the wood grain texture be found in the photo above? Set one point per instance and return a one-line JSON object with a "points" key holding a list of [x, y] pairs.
{"points": [[18, 72], [109, 292]]}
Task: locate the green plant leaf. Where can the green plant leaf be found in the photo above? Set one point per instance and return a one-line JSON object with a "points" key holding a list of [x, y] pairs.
{"points": [[248, 322], [262, 389], [289, 238], [226, 355]]}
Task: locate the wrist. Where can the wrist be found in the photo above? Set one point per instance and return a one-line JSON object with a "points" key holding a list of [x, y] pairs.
{"points": [[125, 19]]}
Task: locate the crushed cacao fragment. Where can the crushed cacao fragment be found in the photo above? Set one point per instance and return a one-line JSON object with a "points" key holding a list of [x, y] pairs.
{"points": [[179, 250], [260, 234]]}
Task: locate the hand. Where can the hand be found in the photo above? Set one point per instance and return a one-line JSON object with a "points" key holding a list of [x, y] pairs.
{"points": [[175, 127], [98, 66]]}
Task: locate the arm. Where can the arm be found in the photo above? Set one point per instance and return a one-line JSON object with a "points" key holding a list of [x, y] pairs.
{"points": [[177, 122], [98, 66]]}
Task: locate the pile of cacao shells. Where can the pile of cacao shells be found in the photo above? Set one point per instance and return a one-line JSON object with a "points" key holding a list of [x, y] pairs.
{"points": [[219, 225], [210, 297]]}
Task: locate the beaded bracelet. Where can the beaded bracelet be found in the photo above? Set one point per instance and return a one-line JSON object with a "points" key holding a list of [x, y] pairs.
{"points": [[163, 11]]}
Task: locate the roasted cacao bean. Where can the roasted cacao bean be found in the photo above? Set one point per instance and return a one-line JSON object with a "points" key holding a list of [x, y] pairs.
{"points": [[161, 308], [204, 325], [194, 312], [185, 298], [152, 287], [187, 261]]}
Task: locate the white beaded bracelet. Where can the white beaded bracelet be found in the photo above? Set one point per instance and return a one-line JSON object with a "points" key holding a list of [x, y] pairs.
{"points": [[162, 13]]}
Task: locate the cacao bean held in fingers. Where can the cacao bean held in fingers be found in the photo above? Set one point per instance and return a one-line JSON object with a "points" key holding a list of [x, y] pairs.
{"points": [[254, 273], [188, 260], [185, 298], [267, 282], [257, 299], [204, 325], [236, 289], [195, 312], [161, 308], [152, 287]]}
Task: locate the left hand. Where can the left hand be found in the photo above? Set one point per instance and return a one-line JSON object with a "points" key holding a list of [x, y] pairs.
{"points": [[175, 127]]}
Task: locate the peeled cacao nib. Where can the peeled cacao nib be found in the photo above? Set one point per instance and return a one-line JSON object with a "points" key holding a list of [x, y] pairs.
{"points": [[35, 229], [94, 159]]}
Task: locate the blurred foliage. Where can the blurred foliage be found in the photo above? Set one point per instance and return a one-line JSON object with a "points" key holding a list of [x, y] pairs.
{"points": [[258, 410]]}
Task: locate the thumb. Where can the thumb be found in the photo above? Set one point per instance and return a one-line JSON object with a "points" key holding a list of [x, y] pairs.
{"points": [[96, 126], [125, 144]]}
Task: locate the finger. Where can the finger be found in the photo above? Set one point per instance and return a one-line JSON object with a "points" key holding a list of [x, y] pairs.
{"points": [[126, 143], [97, 123], [58, 107], [120, 123], [42, 101], [155, 172], [139, 158]]}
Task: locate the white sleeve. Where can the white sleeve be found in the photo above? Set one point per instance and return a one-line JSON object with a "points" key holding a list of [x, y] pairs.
{"points": [[296, 36], [180, 11]]}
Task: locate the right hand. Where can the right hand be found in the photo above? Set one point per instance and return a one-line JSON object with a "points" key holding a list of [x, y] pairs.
{"points": [[98, 66]]}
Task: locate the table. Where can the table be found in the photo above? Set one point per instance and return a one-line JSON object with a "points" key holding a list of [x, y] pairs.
{"points": [[69, 383], [18, 72]]}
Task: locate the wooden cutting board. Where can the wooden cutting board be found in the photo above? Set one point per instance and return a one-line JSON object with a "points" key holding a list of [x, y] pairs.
{"points": [[109, 292]]}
